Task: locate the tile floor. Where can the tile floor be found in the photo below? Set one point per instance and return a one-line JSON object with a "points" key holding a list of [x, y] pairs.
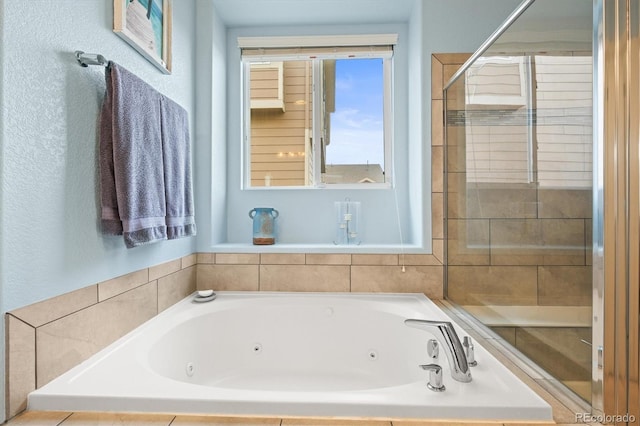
{"points": [[35, 418]]}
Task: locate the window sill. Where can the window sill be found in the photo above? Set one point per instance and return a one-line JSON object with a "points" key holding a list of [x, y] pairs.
{"points": [[320, 248]]}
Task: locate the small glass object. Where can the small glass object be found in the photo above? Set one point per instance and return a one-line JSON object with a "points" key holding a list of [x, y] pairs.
{"points": [[347, 220]]}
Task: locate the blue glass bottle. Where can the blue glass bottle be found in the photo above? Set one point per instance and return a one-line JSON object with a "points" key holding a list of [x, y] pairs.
{"points": [[264, 219]]}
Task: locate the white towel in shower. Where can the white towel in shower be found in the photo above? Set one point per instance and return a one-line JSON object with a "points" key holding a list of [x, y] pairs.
{"points": [[135, 138]]}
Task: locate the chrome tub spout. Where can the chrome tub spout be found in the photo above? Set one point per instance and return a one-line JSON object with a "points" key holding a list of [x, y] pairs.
{"points": [[444, 332]]}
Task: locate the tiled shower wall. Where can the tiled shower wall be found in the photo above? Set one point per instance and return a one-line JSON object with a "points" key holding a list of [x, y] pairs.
{"points": [[515, 238], [48, 338]]}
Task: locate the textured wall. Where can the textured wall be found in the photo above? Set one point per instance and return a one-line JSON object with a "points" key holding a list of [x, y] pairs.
{"points": [[50, 243]]}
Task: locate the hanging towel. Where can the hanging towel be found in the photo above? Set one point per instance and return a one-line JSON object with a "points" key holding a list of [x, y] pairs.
{"points": [[177, 170], [132, 166]]}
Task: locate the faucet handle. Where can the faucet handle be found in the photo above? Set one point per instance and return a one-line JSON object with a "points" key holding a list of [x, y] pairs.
{"points": [[435, 377], [433, 350], [469, 351]]}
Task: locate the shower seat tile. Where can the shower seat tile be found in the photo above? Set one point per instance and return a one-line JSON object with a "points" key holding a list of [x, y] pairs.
{"points": [[39, 418], [561, 351], [120, 419], [223, 421]]}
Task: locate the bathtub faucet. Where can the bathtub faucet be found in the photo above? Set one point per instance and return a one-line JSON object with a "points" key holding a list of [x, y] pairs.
{"points": [[448, 338]]}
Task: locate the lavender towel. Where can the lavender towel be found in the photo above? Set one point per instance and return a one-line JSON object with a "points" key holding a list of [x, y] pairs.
{"points": [[145, 166]]}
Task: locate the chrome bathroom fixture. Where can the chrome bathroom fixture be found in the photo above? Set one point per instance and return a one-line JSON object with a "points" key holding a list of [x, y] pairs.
{"points": [[433, 349], [86, 59], [435, 377], [448, 337], [469, 351]]}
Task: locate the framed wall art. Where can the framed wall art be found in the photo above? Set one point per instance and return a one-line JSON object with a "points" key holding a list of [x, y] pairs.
{"points": [[146, 26]]}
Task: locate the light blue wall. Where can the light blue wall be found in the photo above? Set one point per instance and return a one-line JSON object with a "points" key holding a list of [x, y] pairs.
{"points": [[49, 238], [211, 124]]}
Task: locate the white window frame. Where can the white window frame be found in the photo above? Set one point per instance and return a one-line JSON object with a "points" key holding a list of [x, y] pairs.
{"points": [[323, 47]]}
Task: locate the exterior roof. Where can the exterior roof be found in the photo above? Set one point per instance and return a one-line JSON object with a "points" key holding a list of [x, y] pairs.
{"points": [[353, 173]]}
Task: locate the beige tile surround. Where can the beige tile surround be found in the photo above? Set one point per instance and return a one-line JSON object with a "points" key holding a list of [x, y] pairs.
{"points": [[321, 272], [45, 339]]}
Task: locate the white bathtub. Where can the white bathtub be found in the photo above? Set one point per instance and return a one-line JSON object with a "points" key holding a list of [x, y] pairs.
{"points": [[289, 354]]}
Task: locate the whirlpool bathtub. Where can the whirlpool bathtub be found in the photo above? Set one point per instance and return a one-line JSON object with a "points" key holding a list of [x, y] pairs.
{"points": [[290, 354]]}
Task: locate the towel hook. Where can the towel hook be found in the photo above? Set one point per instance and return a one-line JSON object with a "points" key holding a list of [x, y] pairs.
{"points": [[86, 59]]}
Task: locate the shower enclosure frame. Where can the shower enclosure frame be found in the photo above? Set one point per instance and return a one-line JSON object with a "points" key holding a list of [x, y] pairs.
{"points": [[599, 362]]}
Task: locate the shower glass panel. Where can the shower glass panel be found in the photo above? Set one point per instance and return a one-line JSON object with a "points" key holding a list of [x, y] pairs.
{"points": [[519, 187]]}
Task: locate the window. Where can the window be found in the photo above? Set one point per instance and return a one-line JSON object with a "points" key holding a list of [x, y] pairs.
{"points": [[317, 116]]}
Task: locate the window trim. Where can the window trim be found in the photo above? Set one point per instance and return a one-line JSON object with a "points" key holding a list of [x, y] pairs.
{"points": [[256, 49]]}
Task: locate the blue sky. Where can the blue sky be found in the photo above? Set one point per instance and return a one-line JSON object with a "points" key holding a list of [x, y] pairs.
{"points": [[357, 123]]}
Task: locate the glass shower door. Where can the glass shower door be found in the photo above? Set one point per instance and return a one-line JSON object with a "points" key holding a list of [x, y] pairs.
{"points": [[518, 201]]}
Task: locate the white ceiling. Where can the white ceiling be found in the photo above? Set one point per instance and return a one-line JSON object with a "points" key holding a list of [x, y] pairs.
{"points": [[242, 13]]}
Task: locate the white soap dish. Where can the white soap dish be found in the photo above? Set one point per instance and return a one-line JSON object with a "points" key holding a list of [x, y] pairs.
{"points": [[209, 295]]}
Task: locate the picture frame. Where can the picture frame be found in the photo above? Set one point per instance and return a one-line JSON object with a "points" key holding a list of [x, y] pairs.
{"points": [[146, 26]]}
